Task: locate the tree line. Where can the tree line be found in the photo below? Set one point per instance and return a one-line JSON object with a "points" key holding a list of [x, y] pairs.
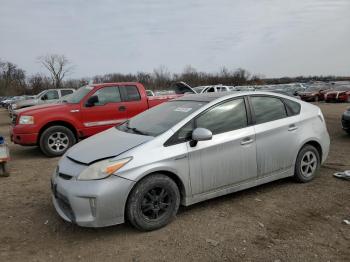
{"points": [[15, 81]]}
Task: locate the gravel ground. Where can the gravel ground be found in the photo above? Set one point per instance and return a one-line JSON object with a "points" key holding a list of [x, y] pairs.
{"points": [[280, 221]]}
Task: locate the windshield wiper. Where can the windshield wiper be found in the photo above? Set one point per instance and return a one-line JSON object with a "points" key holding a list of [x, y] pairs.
{"points": [[134, 129]]}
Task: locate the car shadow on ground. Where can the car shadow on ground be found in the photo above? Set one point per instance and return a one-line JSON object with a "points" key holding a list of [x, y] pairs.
{"points": [[72, 230], [26, 152]]}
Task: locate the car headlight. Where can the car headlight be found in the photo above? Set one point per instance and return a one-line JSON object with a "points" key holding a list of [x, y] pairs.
{"points": [[14, 106], [26, 120], [103, 169]]}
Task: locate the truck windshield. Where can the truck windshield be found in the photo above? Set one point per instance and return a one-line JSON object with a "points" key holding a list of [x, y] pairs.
{"points": [[161, 118], [78, 95]]}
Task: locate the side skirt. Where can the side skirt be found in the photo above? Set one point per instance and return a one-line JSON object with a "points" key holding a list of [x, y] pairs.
{"points": [[237, 187]]}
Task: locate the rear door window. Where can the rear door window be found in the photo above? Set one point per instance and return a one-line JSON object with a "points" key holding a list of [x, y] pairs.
{"points": [[267, 109], [130, 93]]}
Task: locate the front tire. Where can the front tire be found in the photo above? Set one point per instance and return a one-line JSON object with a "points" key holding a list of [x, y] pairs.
{"points": [[56, 140], [307, 164], [153, 203]]}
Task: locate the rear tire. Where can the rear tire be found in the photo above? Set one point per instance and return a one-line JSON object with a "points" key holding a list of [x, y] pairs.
{"points": [[56, 140], [153, 203], [307, 164]]}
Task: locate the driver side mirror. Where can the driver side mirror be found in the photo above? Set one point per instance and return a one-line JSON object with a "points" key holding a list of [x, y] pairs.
{"points": [[91, 101], [44, 97], [200, 134]]}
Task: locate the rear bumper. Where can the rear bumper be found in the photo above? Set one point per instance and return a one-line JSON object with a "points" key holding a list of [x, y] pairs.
{"points": [[19, 136]]}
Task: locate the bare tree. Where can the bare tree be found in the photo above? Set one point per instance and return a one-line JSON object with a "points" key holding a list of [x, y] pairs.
{"points": [[58, 65]]}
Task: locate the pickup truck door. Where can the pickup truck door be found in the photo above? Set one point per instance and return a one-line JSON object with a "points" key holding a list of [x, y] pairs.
{"points": [[105, 113], [134, 101]]}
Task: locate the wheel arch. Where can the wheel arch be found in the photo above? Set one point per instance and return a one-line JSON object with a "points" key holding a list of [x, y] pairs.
{"points": [[315, 144], [58, 123], [169, 174]]}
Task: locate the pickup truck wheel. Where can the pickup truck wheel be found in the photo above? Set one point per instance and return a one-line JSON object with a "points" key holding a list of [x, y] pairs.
{"points": [[307, 164], [153, 203], [55, 140]]}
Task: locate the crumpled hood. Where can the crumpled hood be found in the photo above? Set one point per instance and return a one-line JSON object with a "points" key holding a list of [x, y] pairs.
{"points": [[107, 144]]}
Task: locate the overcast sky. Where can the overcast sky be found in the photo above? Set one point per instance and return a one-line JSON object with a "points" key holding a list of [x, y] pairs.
{"points": [[269, 37]]}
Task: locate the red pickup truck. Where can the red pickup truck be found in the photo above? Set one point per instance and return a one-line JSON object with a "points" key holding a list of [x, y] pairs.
{"points": [[91, 109]]}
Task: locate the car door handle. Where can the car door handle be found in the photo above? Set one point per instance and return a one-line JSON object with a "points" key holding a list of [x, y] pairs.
{"points": [[292, 127], [122, 108], [247, 141]]}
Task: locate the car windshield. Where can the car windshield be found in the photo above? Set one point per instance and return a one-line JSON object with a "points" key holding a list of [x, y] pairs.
{"points": [[78, 95], [161, 118]]}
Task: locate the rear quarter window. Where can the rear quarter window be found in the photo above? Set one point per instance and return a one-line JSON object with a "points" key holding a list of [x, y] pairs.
{"points": [[293, 108]]}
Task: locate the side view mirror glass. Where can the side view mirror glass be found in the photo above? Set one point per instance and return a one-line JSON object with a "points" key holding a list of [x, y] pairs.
{"points": [[200, 134], [92, 101]]}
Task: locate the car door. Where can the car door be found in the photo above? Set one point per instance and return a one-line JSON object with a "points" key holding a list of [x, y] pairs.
{"points": [[230, 156], [133, 102], [105, 113], [276, 135]]}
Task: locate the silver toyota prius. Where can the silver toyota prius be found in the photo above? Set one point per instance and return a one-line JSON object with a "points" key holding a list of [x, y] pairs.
{"points": [[185, 151]]}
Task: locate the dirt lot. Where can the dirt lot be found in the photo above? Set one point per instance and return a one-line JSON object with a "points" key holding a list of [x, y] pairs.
{"points": [[280, 221]]}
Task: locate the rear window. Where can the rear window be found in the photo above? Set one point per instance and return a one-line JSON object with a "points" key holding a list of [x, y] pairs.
{"points": [[130, 93]]}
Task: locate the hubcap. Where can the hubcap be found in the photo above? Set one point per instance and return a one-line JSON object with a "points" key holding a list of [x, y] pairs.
{"points": [[155, 203], [308, 164], [58, 142]]}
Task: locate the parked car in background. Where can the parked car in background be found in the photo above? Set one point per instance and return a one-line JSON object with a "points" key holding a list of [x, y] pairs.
{"points": [[213, 89], [314, 93], [186, 151], [9, 100], [89, 110], [338, 94], [44, 97], [345, 120]]}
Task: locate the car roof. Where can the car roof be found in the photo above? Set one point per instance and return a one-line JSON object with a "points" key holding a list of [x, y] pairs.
{"points": [[209, 97]]}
